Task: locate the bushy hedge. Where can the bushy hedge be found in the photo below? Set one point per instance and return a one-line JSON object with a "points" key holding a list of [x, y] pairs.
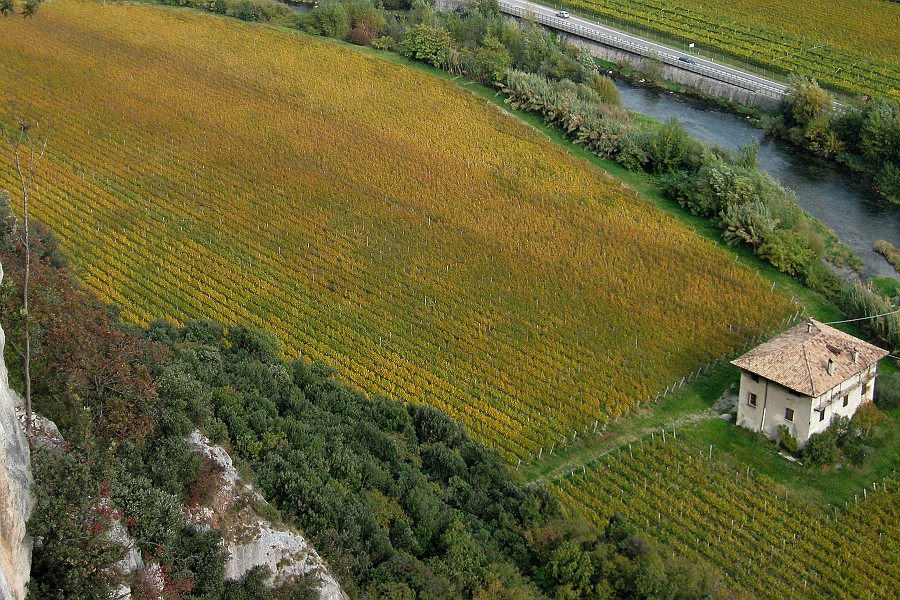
{"points": [[261, 11], [852, 439], [887, 391]]}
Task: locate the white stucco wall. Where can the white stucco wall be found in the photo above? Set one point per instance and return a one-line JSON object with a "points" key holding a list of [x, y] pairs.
{"points": [[773, 399]]}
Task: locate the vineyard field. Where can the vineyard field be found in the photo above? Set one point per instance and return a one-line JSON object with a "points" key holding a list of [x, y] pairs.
{"points": [[847, 46], [427, 245], [764, 540]]}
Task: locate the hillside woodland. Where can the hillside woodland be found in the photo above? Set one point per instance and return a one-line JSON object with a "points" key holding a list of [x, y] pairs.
{"points": [[399, 499]]}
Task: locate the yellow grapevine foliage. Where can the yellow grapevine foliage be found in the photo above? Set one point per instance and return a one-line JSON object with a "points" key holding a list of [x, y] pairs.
{"points": [[426, 245], [709, 510], [848, 45]]}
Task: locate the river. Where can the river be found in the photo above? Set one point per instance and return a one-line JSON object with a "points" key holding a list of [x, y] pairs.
{"points": [[829, 193], [298, 7]]}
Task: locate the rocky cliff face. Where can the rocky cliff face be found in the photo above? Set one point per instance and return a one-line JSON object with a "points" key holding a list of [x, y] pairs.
{"points": [[230, 505], [16, 503]]}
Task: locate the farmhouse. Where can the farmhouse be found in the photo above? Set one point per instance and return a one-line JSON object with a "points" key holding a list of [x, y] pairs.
{"points": [[803, 378]]}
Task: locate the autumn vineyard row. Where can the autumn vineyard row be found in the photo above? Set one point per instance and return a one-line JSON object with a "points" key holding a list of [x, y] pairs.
{"points": [[705, 508], [425, 245], [857, 70]]}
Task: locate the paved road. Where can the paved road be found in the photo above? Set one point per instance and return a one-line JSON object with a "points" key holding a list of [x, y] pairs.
{"points": [[613, 37]]}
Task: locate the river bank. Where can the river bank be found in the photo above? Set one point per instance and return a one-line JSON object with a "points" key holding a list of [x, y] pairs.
{"points": [[831, 193]]}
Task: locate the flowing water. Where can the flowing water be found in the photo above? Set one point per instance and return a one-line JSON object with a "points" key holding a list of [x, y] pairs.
{"points": [[829, 193]]}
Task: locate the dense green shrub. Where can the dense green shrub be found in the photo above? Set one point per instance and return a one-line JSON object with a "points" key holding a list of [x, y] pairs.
{"points": [[667, 147], [818, 277], [787, 252], [70, 524], [821, 448], [787, 440], [750, 223], [606, 89], [426, 43], [330, 19], [805, 102], [489, 62], [887, 181], [887, 391], [852, 439]]}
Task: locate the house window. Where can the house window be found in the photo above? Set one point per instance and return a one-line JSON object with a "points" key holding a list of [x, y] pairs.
{"points": [[822, 415], [846, 400], [754, 377], [865, 390], [789, 414], [751, 399]]}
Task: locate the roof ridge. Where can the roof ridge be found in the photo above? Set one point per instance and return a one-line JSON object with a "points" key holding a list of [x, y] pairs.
{"points": [[812, 384]]}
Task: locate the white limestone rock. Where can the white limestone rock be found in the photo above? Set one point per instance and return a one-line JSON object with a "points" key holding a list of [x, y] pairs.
{"points": [[250, 540], [16, 502]]}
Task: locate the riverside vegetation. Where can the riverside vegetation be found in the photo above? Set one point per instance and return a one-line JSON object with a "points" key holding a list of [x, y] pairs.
{"points": [[542, 74], [421, 244], [865, 137]]}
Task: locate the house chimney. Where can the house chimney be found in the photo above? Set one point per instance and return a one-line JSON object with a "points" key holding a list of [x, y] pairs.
{"points": [[830, 367], [855, 355], [809, 327]]}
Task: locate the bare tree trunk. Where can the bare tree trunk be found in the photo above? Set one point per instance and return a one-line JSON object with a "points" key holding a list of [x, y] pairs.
{"points": [[28, 425], [22, 141]]}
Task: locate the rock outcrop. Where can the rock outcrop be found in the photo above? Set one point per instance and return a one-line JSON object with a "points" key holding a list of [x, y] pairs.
{"points": [[16, 502], [230, 505]]}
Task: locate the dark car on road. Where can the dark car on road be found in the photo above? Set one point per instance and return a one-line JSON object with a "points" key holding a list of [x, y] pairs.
{"points": [[687, 59]]}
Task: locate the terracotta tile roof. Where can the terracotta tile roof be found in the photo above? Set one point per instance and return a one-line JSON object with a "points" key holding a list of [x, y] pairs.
{"points": [[798, 358]]}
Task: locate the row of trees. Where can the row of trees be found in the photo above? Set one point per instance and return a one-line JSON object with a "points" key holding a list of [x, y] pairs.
{"points": [[726, 187], [27, 8]]}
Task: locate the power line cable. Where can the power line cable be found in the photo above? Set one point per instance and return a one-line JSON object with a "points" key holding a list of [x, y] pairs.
{"points": [[893, 312]]}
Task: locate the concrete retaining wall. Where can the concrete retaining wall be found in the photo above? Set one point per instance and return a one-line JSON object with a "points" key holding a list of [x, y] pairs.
{"points": [[683, 76], [706, 80]]}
